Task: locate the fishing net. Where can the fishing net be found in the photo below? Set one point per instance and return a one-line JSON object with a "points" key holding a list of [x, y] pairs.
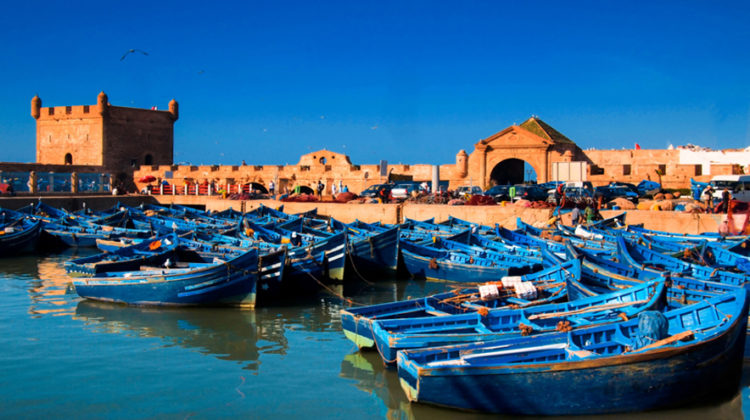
{"points": [[652, 327]]}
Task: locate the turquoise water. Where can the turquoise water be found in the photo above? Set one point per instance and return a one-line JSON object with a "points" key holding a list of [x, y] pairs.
{"points": [[62, 357]]}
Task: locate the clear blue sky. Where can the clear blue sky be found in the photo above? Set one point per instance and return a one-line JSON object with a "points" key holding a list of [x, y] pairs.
{"points": [[409, 82]]}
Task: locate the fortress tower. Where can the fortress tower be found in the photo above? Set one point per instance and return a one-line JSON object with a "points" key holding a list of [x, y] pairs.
{"points": [[119, 139]]}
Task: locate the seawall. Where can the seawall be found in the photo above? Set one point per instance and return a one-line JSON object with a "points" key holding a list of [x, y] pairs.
{"points": [[391, 213]]}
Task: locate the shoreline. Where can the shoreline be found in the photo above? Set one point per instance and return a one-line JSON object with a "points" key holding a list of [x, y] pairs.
{"points": [[678, 222]]}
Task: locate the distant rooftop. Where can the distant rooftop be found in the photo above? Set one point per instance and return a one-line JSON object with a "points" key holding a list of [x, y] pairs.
{"points": [[544, 130]]}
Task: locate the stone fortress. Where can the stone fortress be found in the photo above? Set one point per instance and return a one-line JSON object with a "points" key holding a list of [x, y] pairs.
{"points": [[132, 143]]}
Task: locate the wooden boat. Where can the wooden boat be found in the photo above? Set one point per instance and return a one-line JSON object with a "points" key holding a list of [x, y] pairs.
{"points": [[600, 275], [272, 263], [370, 251], [394, 335], [316, 262], [230, 282], [357, 322], [476, 228], [706, 236], [640, 256], [715, 255], [495, 254], [149, 252], [504, 247], [424, 262], [18, 232], [697, 356], [85, 235], [598, 244]]}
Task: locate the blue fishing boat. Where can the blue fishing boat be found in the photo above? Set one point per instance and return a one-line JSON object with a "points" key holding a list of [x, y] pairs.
{"points": [[394, 335], [475, 228], [148, 252], [18, 232], [715, 255], [647, 259], [706, 236], [85, 236], [425, 262], [357, 322], [493, 253], [371, 251], [504, 247], [214, 282], [272, 263], [656, 361], [600, 275], [598, 244]]}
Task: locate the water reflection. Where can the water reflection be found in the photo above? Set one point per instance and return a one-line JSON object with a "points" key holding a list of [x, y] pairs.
{"points": [[225, 333], [51, 292]]}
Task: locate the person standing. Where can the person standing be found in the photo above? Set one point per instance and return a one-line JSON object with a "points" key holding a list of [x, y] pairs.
{"points": [[708, 195], [575, 216], [725, 197], [589, 214], [334, 190], [558, 194], [320, 188], [271, 187], [512, 192], [383, 195]]}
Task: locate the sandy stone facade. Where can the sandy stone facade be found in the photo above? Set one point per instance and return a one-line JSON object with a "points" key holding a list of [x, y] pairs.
{"points": [[135, 143], [497, 159], [117, 139]]}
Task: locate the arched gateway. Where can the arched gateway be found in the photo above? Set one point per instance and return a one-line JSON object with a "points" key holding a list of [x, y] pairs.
{"points": [[512, 171], [499, 159]]}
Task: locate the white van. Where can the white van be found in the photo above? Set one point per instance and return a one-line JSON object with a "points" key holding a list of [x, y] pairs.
{"points": [[738, 185]]}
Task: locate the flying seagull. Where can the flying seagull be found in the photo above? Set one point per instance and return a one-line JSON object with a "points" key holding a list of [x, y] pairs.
{"points": [[132, 51]]}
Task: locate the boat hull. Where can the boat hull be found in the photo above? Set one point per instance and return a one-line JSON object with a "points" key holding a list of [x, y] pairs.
{"points": [[662, 378], [226, 284]]}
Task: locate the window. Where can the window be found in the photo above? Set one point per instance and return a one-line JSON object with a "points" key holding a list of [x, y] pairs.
{"points": [[148, 160], [595, 170], [322, 161], [663, 169], [85, 109], [698, 170], [68, 159], [626, 169], [68, 109]]}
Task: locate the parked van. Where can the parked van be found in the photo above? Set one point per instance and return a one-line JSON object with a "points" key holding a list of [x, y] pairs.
{"points": [[738, 185]]}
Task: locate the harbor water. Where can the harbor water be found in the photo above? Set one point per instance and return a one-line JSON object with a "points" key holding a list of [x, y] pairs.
{"points": [[64, 357]]}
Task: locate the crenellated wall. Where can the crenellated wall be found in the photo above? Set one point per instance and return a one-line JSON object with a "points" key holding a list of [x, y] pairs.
{"points": [[119, 139]]}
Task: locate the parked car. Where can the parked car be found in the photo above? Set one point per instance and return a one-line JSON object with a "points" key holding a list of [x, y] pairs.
{"points": [[403, 190], [498, 193], [610, 192], [467, 190], [530, 192], [372, 190], [631, 187]]}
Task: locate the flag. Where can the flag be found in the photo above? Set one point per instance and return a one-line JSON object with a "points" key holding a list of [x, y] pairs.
{"points": [[637, 146]]}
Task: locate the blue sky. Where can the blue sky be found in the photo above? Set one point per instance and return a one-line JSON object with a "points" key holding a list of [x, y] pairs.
{"points": [[410, 82]]}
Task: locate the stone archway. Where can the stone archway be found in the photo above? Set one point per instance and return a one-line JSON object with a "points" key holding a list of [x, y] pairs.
{"points": [[512, 171]]}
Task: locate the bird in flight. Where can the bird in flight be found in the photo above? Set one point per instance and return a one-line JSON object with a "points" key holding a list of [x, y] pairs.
{"points": [[132, 51]]}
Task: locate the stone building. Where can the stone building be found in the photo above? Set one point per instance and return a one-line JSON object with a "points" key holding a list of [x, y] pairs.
{"points": [[131, 143], [117, 139], [498, 159]]}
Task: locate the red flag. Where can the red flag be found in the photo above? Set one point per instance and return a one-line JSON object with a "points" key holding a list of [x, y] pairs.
{"points": [[637, 146]]}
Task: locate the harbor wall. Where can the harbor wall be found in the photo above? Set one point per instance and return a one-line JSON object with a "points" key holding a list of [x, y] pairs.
{"points": [[393, 213]]}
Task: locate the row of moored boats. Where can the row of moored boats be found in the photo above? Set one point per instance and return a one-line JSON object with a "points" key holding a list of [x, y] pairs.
{"points": [[597, 319]]}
